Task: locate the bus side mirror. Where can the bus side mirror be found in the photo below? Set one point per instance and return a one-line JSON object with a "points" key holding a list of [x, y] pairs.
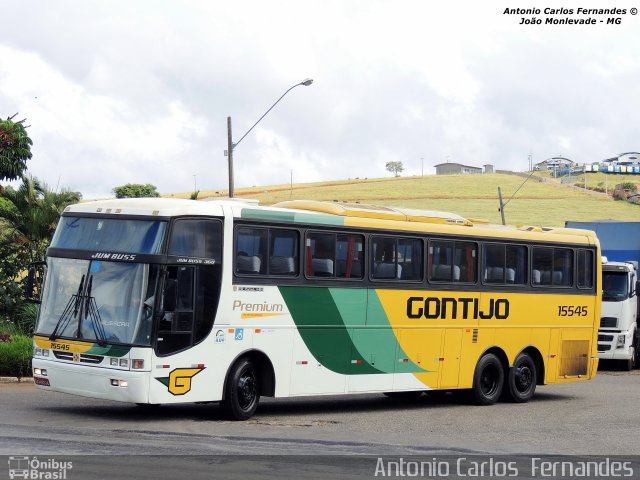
{"points": [[34, 281]]}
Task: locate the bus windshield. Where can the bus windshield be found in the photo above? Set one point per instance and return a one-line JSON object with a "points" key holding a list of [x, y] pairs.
{"points": [[98, 300], [614, 286], [110, 234]]}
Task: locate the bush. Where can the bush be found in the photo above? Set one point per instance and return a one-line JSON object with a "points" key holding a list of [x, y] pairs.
{"points": [[24, 318], [630, 186], [7, 327], [15, 357]]}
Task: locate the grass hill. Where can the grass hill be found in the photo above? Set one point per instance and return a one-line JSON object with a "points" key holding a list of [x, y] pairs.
{"points": [[541, 201]]}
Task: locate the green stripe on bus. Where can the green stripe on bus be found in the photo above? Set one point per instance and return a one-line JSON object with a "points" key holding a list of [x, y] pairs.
{"points": [[392, 356], [110, 350], [323, 331], [334, 324], [297, 217]]}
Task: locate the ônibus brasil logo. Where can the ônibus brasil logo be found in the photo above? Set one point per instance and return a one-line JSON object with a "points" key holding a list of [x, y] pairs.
{"points": [[33, 468]]}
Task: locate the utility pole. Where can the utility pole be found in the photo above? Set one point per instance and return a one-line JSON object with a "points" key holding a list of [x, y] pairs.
{"points": [[230, 156], [231, 145], [501, 206]]}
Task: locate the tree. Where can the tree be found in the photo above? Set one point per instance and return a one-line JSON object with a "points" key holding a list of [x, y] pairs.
{"points": [[30, 214], [28, 218], [15, 149], [135, 190], [395, 168]]}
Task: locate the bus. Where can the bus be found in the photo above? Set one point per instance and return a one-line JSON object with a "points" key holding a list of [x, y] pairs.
{"points": [[160, 301]]}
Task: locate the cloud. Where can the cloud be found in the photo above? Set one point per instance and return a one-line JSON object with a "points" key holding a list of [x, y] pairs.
{"points": [[140, 92]]}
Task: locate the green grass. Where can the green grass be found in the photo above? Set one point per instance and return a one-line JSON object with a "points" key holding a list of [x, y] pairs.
{"points": [[15, 356], [538, 202]]}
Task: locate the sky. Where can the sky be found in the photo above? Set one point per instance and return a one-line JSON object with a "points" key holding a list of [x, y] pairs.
{"points": [[120, 92]]}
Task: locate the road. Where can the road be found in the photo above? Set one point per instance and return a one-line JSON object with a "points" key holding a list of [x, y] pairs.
{"points": [[318, 437], [580, 418]]}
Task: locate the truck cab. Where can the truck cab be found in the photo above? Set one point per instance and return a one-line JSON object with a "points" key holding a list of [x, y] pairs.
{"points": [[618, 333]]}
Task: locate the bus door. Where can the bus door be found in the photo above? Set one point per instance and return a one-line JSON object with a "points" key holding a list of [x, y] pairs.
{"points": [[185, 312]]}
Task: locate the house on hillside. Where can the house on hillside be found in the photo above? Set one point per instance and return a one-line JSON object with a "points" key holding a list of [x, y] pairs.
{"points": [[628, 162], [451, 168], [555, 163]]}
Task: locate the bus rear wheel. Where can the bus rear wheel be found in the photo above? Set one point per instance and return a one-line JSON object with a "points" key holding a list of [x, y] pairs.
{"points": [[521, 384], [242, 391], [488, 380]]}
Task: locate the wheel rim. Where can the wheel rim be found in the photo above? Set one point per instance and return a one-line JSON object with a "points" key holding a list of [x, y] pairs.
{"points": [[523, 378], [247, 393], [489, 381]]}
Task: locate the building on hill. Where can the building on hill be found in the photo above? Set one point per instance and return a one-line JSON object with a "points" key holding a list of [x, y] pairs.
{"points": [[628, 162], [450, 168], [555, 163]]}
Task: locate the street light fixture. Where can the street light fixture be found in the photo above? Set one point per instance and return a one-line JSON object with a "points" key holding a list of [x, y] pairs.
{"points": [[231, 145]]}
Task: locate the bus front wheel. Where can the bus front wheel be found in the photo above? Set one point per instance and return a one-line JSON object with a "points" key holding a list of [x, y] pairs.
{"points": [[488, 380], [242, 391], [522, 380]]}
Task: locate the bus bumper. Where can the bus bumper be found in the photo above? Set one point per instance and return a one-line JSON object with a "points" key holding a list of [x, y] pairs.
{"points": [[94, 382]]}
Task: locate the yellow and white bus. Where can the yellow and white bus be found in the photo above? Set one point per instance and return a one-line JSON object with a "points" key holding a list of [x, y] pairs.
{"points": [[157, 301]]}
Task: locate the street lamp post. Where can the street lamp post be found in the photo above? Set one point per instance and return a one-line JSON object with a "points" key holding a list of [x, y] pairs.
{"points": [[231, 145]]}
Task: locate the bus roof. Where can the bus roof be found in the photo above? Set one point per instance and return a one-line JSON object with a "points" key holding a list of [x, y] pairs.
{"points": [[335, 213]]}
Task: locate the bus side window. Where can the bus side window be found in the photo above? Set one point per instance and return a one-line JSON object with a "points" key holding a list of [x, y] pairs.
{"points": [[452, 261], [251, 251], [585, 269], [197, 238], [396, 258], [320, 254], [555, 266], [505, 264], [283, 252]]}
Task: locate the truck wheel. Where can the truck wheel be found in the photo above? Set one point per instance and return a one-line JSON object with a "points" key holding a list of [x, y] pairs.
{"points": [[521, 384], [488, 380], [242, 391]]}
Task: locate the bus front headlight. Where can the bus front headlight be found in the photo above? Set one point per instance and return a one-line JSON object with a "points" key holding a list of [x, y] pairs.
{"points": [[621, 340]]}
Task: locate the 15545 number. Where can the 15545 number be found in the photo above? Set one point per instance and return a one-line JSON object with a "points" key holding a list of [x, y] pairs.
{"points": [[571, 311]]}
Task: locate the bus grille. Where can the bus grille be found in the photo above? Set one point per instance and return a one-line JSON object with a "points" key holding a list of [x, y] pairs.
{"points": [[575, 357], [83, 358], [603, 348], [605, 338], [608, 322]]}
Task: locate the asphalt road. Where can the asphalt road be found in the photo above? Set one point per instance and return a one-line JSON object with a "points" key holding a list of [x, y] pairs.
{"points": [[586, 418]]}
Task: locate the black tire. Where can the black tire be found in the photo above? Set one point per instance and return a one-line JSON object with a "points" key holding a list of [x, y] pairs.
{"points": [[523, 378], [242, 391], [412, 395], [488, 380]]}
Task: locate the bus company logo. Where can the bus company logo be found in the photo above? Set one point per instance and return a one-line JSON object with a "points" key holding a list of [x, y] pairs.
{"points": [[179, 380], [257, 307], [32, 468], [113, 256], [457, 308], [220, 336], [76, 357]]}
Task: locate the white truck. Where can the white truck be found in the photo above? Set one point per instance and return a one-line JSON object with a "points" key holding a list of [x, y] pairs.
{"points": [[618, 334]]}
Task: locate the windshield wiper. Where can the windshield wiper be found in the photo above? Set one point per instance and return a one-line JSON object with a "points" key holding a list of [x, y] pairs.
{"points": [[84, 304], [74, 305], [91, 311]]}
